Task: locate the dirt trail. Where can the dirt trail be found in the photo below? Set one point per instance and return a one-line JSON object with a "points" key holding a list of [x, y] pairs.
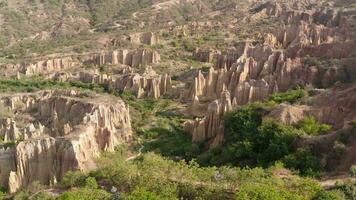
{"points": [[137, 155]]}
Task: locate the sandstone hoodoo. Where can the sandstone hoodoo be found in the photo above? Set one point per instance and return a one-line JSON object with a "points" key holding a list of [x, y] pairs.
{"points": [[66, 131]]}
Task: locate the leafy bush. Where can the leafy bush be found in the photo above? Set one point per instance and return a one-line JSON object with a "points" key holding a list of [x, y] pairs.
{"points": [[73, 178], [84, 194], [352, 171], [152, 176], [291, 96], [143, 194], [327, 195], [253, 191], [304, 161], [348, 188], [33, 84], [255, 142], [310, 126]]}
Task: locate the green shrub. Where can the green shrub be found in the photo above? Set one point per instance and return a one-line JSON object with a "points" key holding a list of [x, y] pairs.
{"points": [[73, 178], [90, 182], [311, 127], [348, 188], [253, 191], [327, 195], [352, 171], [255, 142], [291, 96], [84, 194], [304, 161], [143, 194]]}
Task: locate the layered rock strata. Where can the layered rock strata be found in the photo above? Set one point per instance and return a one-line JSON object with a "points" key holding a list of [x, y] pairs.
{"points": [[68, 133], [253, 72], [148, 84], [133, 58]]}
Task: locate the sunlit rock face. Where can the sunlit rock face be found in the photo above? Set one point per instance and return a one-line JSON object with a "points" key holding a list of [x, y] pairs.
{"points": [[67, 131], [251, 72]]}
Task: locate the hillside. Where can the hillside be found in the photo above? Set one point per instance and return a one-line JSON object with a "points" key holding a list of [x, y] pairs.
{"points": [[177, 99]]}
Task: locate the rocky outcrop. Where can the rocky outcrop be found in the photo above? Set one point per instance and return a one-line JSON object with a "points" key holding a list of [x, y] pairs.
{"points": [[133, 58], [210, 128], [206, 54], [69, 132], [148, 38], [334, 106], [252, 72], [9, 130], [256, 74], [39, 67], [147, 84]]}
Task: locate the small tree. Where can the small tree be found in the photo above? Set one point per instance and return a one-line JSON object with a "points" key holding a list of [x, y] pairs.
{"points": [[352, 171]]}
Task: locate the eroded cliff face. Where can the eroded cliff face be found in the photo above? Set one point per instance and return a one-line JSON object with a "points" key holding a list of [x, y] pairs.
{"points": [[252, 72], [146, 84], [334, 106], [68, 130], [132, 58]]}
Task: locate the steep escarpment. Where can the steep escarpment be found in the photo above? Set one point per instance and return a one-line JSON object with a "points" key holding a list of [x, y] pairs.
{"points": [[286, 57], [67, 132]]}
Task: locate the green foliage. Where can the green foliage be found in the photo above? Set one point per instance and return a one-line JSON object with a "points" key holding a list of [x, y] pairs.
{"points": [[339, 148], [327, 195], [352, 171], [312, 61], [253, 142], [84, 194], [291, 96], [256, 143], [253, 191], [152, 176], [348, 188], [33, 84], [304, 161], [75, 178], [90, 182], [143, 194], [310, 126]]}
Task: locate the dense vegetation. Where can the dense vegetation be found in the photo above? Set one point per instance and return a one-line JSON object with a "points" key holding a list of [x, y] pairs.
{"points": [[254, 142], [153, 177], [34, 84]]}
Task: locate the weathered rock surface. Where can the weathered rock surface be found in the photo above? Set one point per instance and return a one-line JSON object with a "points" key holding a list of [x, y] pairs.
{"points": [[40, 67], [133, 58], [206, 54], [74, 131], [210, 128], [148, 38], [148, 84], [252, 72]]}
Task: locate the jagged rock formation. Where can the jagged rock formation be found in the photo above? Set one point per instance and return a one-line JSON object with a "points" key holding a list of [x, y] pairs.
{"points": [[148, 38], [68, 131], [252, 72], [256, 74], [335, 107], [210, 127], [149, 84], [133, 58], [206, 54], [40, 67]]}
